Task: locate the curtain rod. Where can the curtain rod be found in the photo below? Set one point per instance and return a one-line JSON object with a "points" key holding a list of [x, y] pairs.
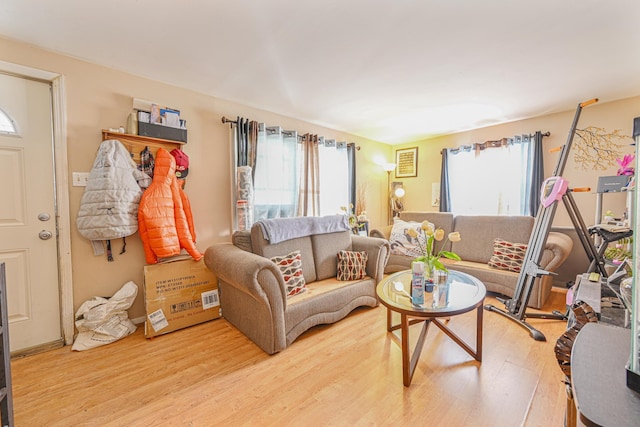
{"points": [[235, 122], [231, 122], [495, 143]]}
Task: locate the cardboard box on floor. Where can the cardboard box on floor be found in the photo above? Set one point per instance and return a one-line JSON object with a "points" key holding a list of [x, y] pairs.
{"points": [[178, 294]]}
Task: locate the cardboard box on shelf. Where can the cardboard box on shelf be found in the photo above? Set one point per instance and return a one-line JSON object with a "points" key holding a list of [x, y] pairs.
{"points": [[178, 294]]}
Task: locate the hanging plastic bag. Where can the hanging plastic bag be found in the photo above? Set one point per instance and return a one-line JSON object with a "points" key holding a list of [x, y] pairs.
{"points": [[102, 321]]}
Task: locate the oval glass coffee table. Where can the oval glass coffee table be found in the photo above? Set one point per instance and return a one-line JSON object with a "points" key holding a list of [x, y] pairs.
{"points": [[462, 293]]}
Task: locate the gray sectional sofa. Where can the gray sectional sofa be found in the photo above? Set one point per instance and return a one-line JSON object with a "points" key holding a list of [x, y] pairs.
{"points": [[253, 291], [476, 249]]}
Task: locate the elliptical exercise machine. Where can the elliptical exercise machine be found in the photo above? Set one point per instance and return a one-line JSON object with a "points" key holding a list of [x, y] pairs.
{"points": [[554, 189]]}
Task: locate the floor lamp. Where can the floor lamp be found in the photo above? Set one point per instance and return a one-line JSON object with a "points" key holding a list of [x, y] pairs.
{"points": [[388, 167]]}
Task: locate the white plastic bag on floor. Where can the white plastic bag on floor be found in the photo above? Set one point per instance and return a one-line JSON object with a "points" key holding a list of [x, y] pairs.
{"points": [[102, 321]]}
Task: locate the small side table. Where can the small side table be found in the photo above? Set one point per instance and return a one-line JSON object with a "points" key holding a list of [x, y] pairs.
{"points": [[462, 293]]}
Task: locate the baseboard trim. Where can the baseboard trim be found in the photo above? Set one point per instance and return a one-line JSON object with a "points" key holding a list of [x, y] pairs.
{"points": [[37, 349]]}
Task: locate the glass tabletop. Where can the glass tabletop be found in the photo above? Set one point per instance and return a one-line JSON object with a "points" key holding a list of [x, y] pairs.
{"points": [[459, 294]]}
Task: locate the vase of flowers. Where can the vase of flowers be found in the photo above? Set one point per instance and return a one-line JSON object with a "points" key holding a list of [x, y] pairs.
{"points": [[354, 223], [427, 239]]}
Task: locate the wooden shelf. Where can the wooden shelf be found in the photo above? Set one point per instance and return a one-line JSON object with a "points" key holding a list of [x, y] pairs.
{"points": [[136, 143]]}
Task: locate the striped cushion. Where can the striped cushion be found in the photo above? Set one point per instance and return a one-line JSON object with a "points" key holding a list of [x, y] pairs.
{"points": [[291, 267], [507, 256]]}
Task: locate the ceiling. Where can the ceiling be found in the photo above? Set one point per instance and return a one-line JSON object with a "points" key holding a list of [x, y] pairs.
{"points": [[392, 71]]}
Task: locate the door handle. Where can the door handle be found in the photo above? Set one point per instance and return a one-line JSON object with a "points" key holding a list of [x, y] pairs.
{"points": [[45, 234]]}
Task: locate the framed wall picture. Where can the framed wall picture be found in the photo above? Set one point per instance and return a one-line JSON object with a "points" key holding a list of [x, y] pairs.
{"points": [[407, 162]]}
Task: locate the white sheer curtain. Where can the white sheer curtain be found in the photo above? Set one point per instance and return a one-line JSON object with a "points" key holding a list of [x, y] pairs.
{"points": [[334, 178], [489, 182], [277, 174], [279, 190]]}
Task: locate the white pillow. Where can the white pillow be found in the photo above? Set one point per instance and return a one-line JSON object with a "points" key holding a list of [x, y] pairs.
{"points": [[402, 243]]}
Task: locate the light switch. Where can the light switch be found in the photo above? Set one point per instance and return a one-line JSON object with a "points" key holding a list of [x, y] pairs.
{"points": [[80, 179]]}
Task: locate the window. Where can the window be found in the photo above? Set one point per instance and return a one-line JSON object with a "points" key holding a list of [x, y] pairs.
{"points": [[334, 179], [492, 181], [280, 174], [7, 125], [279, 164], [277, 174]]}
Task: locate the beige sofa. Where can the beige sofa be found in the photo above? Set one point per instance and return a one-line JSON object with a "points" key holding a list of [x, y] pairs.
{"points": [[253, 293], [476, 248]]}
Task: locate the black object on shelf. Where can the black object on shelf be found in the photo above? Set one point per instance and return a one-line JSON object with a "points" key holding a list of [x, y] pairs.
{"points": [[163, 132]]}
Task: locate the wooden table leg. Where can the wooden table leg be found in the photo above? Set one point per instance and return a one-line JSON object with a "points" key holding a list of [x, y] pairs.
{"points": [[477, 353], [406, 375], [409, 361], [479, 332]]}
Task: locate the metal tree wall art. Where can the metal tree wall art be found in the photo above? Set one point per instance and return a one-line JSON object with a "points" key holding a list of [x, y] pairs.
{"points": [[598, 149]]}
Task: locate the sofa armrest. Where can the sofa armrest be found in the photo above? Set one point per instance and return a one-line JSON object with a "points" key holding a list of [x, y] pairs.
{"points": [[556, 250], [377, 250], [252, 274], [252, 294], [383, 232]]}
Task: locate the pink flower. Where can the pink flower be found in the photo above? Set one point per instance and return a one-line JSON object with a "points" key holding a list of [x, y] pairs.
{"points": [[626, 165]]}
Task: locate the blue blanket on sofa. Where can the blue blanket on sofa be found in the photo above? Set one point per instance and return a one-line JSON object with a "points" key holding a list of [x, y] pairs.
{"points": [[280, 229]]}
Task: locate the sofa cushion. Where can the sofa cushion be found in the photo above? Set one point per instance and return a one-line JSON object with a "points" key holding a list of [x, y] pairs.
{"points": [[478, 233], [442, 220], [320, 287], [325, 252], [262, 247], [402, 243], [291, 267], [507, 255], [352, 265]]}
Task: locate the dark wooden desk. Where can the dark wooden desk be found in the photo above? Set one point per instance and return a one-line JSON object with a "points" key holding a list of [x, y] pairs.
{"points": [[598, 376]]}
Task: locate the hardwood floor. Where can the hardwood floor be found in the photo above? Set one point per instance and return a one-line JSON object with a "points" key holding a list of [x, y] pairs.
{"points": [[345, 374]]}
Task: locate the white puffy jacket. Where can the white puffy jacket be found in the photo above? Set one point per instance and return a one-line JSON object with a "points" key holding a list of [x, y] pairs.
{"points": [[109, 205]]}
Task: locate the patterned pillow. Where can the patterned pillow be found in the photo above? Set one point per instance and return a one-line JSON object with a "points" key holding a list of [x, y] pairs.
{"points": [[352, 265], [403, 244], [507, 256], [291, 267]]}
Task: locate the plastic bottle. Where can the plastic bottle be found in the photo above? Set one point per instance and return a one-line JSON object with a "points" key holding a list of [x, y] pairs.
{"points": [[417, 282], [132, 124]]}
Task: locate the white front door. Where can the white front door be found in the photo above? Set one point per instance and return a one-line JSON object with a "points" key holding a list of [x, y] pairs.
{"points": [[28, 238]]}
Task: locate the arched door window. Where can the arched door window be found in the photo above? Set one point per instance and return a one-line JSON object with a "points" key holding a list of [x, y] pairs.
{"points": [[7, 124]]}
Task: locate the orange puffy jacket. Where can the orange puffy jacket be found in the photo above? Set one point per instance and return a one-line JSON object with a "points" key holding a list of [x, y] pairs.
{"points": [[165, 221]]}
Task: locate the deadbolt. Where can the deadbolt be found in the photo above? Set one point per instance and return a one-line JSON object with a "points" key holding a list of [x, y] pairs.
{"points": [[44, 216], [45, 234]]}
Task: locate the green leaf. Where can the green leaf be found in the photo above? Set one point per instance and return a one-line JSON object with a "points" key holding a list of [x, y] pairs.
{"points": [[439, 265], [450, 255]]}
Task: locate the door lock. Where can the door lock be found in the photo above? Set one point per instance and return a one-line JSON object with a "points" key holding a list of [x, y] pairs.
{"points": [[45, 234]]}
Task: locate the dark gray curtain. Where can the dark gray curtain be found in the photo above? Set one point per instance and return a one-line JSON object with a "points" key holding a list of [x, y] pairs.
{"points": [[242, 144], [246, 139], [536, 175], [445, 198]]}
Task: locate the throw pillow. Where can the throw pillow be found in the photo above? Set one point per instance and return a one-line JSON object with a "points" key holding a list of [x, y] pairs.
{"points": [[291, 267], [352, 265], [402, 243], [507, 256]]}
